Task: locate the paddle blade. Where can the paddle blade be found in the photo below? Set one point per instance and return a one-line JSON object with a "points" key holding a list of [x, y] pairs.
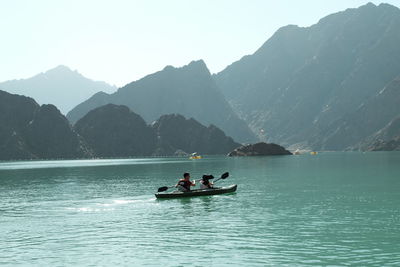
{"points": [[162, 189], [225, 175]]}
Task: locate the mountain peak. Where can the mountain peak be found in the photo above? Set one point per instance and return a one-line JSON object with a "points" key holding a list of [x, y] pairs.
{"points": [[388, 6], [381, 5], [369, 4], [188, 90], [363, 14], [60, 86], [199, 62], [198, 66], [61, 70], [194, 65]]}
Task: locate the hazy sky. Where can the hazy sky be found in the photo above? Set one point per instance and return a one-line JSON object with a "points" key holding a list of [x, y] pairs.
{"points": [[120, 41]]}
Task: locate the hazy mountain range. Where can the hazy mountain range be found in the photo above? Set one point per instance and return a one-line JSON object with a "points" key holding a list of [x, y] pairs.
{"points": [[332, 86], [189, 91], [59, 86], [31, 131], [309, 86]]}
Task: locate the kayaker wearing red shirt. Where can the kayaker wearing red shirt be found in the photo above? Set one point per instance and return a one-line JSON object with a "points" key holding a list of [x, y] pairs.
{"points": [[185, 183]]}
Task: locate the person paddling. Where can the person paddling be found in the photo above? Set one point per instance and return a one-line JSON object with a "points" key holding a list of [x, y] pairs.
{"points": [[205, 182], [184, 184]]}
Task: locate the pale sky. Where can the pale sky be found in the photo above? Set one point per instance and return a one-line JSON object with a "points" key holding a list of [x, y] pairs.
{"points": [[121, 41]]}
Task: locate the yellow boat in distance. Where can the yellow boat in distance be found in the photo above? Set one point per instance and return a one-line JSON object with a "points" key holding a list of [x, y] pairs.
{"points": [[314, 153], [195, 156]]}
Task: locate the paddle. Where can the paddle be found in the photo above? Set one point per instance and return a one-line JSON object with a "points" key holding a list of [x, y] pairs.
{"points": [[223, 177], [165, 188]]}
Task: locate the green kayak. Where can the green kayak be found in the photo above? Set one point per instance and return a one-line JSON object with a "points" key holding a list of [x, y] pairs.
{"points": [[198, 192]]}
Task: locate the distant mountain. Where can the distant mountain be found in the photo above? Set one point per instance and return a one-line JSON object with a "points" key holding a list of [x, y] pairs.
{"points": [[115, 131], [308, 87], [189, 90], [177, 133], [30, 131], [59, 86]]}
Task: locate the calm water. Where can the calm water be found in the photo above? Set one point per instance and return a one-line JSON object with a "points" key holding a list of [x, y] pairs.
{"points": [[329, 209]]}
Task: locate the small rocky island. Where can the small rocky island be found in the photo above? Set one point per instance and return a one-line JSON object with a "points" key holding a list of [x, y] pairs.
{"points": [[259, 149]]}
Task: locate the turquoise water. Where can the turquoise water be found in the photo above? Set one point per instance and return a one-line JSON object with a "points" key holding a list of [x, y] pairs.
{"points": [[329, 209]]}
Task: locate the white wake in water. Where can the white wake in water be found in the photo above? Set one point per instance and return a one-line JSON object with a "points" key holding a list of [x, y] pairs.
{"points": [[101, 207]]}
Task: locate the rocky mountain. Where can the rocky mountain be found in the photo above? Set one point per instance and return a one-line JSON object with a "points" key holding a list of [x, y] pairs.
{"points": [[189, 90], [374, 119], [380, 145], [30, 131], [177, 133], [307, 87], [115, 131], [387, 139], [59, 86]]}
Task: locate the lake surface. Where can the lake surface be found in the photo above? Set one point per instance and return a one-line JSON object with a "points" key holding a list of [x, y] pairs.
{"points": [[329, 209]]}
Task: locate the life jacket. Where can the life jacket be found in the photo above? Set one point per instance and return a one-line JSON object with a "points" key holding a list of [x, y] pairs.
{"points": [[205, 183], [185, 183]]}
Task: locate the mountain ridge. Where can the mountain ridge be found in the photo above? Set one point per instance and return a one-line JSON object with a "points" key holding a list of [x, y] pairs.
{"points": [[116, 131], [61, 86], [31, 131], [189, 90], [303, 79]]}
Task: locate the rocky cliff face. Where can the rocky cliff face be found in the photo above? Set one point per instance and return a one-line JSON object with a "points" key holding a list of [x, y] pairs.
{"points": [[374, 119], [386, 139], [303, 85], [189, 90], [30, 131], [177, 133], [115, 131], [381, 145]]}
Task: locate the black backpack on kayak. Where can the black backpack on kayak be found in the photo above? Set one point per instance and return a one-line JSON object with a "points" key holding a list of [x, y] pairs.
{"points": [[206, 179]]}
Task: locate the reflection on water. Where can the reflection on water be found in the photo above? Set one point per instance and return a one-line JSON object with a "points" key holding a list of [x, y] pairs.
{"points": [[83, 163], [329, 209]]}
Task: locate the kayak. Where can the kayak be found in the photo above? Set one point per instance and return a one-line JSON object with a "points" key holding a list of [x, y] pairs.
{"points": [[195, 157], [198, 192]]}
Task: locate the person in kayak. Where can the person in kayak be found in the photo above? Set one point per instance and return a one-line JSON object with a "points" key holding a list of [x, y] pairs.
{"points": [[205, 182], [184, 184]]}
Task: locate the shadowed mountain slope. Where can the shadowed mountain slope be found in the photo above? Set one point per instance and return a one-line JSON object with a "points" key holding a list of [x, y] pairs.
{"points": [[303, 84], [189, 90]]}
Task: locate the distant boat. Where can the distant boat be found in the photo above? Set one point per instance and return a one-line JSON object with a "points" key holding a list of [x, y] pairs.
{"points": [[314, 153], [195, 156]]}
